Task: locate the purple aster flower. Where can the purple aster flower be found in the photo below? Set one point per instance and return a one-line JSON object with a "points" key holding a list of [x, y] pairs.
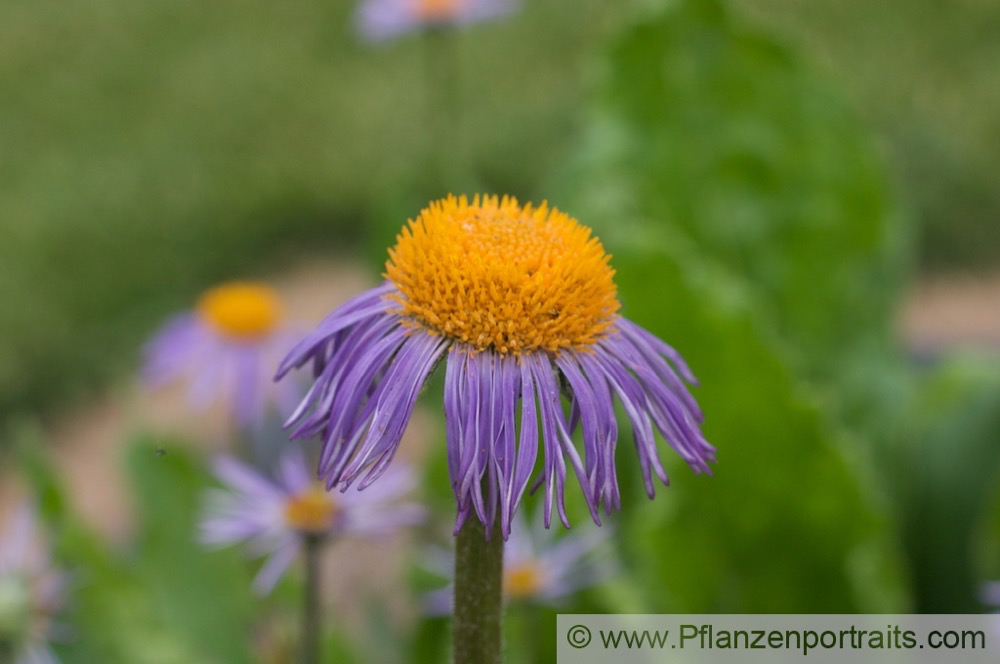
{"points": [[539, 567], [383, 19], [227, 346], [31, 592], [274, 518], [523, 303]]}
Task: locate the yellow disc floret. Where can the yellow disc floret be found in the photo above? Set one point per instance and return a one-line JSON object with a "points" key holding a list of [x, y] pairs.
{"points": [[241, 310], [431, 10], [312, 511], [522, 581], [497, 275]]}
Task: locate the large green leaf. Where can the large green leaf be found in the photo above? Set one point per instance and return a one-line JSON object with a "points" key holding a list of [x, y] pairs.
{"points": [[750, 226], [787, 523], [708, 132]]}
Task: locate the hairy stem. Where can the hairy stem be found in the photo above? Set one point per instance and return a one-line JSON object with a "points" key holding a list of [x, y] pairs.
{"points": [[478, 595]]}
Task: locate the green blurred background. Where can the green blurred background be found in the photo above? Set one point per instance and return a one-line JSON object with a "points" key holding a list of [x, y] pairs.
{"points": [[770, 176]]}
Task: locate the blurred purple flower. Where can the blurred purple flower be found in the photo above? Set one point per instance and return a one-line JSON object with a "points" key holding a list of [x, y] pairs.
{"points": [[538, 567], [522, 303], [384, 19], [227, 347], [31, 591], [274, 517]]}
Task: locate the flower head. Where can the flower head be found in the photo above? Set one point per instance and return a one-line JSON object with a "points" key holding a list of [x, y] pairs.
{"points": [[384, 19], [227, 346], [274, 517], [31, 592], [539, 568], [522, 301]]}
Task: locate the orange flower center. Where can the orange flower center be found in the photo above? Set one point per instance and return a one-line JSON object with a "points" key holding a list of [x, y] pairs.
{"points": [[437, 9], [241, 310], [312, 511], [497, 275], [522, 581]]}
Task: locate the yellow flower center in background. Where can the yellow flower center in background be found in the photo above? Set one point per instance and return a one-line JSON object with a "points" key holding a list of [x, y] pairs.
{"points": [[243, 310], [437, 9], [312, 511], [522, 581], [497, 275]]}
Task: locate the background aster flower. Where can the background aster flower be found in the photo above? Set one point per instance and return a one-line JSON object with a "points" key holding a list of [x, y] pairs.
{"points": [[227, 347], [523, 303], [384, 19], [31, 592], [539, 567], [275, 517]]}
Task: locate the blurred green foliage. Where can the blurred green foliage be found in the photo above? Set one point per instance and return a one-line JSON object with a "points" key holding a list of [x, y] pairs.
{"points": [[923, 76], [165, 599], [747, 217], [147, 152], [714, 158], [786, 523], [950, 475], [729, 151]]}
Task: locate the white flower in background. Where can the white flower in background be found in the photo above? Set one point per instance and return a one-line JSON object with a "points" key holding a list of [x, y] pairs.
{"points": [[539, 567], [274, 518], [31, 591]]}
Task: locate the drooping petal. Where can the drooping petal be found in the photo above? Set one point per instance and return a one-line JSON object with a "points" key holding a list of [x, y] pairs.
{"points": [[527, 448], [558, 443], [478, 431], [505, 454], [600, 430], [355, 310], [652, 348], [344, 417], [454, 410], [394, 405], [276, 565]]}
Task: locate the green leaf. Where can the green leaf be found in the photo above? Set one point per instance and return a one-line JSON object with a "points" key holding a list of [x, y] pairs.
{"points": [[202, 596], [786, 524], [712, 135]]}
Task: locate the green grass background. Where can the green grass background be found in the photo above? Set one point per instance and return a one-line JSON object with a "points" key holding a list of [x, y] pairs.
{"points": [[148, 149]]}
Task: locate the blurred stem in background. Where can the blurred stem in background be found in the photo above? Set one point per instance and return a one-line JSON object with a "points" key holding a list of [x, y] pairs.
{"points": [[478, 609], [443, 126], [311, 606]]}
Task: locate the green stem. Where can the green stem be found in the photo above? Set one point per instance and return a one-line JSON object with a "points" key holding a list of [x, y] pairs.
{"points": [[478, 595], [310, 608], [444, 119]]}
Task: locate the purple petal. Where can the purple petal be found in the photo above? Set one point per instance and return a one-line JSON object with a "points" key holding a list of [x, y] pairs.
{"points": [[394, 406], [557, 443], [276, 565], [355, 310]]}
